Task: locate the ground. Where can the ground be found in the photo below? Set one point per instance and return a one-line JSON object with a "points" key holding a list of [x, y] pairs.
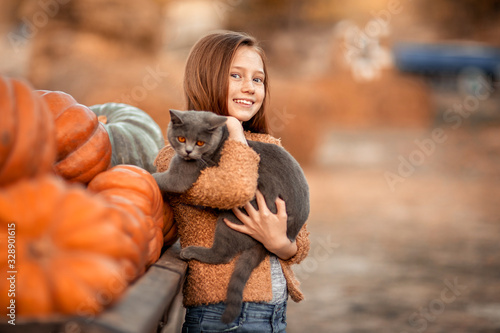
{"points": [[418, 254]]}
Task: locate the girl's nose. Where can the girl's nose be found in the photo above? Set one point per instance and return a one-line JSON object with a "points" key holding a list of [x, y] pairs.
{"points": [[248, 87]]}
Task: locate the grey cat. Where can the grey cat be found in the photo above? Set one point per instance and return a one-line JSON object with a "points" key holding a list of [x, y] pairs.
{"points": [[198, 138]]}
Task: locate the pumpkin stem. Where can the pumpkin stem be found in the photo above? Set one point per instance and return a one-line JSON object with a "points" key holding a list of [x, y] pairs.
{"points": [[103, 119]]}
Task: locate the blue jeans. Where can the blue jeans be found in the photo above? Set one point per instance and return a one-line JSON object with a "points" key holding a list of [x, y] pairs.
{"points": [[254, 317]]}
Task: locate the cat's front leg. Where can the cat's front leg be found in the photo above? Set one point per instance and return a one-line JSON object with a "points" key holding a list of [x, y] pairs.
{"points": [[162, 180], [179, 177], [168, 183]]}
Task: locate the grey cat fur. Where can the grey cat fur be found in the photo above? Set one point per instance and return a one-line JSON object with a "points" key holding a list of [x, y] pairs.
{"points": [[279, 176]]}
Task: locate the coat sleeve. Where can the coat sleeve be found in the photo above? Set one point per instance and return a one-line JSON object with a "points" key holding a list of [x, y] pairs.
{"points": [[230, 184], [303, 246], [162, 160]]}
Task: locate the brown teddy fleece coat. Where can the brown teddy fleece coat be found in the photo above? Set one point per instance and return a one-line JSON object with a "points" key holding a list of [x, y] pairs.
{"points": [[231, 184]]}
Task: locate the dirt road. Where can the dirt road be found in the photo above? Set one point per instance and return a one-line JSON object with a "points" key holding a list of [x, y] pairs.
{"points": [[421, 254]]}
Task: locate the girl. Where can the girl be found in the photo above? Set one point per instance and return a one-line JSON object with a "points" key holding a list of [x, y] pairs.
{"points": [[226, 74]]}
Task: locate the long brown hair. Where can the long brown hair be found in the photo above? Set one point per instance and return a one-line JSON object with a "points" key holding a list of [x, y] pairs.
{"points": [[206, 78]]}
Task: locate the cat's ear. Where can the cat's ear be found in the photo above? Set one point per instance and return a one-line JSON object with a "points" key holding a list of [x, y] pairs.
{"points": [[216, 122], [175, 117]]}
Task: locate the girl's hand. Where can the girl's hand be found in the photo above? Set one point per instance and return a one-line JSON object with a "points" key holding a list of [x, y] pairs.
{"points": [[235, 130], [266, 227]]}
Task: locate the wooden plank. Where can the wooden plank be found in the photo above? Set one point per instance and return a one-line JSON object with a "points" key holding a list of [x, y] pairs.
{"points": [[34, 327], [174, 318], [171, 260]]}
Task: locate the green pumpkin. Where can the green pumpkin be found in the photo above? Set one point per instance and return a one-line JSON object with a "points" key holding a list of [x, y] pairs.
{"points": [[135, 137]]}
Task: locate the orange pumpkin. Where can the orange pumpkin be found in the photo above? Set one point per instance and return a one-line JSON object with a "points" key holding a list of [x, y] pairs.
{"points": [[169, 226], [83, 145], [72, 256], [137, 228], [138, 186], [27, 138]]}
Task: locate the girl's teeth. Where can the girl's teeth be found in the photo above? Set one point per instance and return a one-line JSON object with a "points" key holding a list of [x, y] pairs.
{"points": [[243, 102]]}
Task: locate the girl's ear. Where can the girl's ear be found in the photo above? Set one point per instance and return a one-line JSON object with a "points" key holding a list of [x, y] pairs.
{"points": [[175, 117]]}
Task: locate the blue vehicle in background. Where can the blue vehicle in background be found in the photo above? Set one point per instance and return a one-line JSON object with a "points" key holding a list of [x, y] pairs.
{"points": [[462, 76], [460, 62]]}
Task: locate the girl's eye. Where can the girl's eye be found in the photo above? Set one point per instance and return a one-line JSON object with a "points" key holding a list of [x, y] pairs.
{"points": [[181, 139], [236, 76], [258, 80], [200, 143]]}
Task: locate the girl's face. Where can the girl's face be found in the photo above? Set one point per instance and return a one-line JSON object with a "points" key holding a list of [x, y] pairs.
{"points": [[246, 84]]}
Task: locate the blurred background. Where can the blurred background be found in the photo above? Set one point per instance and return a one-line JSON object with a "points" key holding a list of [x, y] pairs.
{"points": [[391, 106]]}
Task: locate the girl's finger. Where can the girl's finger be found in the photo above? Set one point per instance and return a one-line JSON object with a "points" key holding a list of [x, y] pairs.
{"points": [[237, 227], [251, 211], [261, 201], [281, 207], [244, 218]]}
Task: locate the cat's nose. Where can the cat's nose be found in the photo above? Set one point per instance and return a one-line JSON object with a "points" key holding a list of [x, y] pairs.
{"points": [[189, 150]]}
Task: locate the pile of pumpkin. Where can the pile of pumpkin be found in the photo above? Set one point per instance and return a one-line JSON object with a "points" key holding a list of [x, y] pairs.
{"points": [[80, 213]]}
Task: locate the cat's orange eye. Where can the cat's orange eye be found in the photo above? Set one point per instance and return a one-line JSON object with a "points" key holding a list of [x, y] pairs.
{"points": [[200, 143], [181, 139]]}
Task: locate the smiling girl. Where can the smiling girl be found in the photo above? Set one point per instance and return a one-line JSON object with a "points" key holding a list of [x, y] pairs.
{"points": [[226, 74]]}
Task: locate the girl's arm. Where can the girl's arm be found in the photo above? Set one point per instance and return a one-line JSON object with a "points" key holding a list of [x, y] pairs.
{"points": [[230, 184], [303, 246]]}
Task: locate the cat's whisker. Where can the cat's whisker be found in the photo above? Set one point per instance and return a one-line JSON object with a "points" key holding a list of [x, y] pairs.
{"points": [[204, 162]]}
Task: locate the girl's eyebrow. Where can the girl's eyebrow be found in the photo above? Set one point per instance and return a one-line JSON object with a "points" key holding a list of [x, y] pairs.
{"points": [[244, 68]]}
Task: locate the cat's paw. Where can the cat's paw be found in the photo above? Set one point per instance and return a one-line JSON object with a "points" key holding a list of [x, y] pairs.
{"points": [[188, 253]]}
